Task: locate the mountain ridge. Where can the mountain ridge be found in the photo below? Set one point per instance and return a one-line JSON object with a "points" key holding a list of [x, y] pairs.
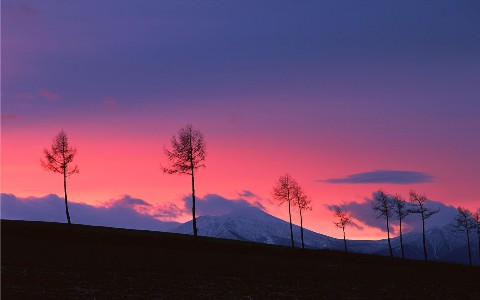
{"points": [[254, 225]]}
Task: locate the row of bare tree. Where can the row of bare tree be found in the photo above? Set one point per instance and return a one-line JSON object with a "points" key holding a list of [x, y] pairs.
{"points": [[394, 206], [386, 206], [188, 152]]}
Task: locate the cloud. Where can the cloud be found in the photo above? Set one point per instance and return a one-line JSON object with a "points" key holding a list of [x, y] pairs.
{"points": [[246, 194], [109, 103], [363, 212], [216, 205], [255, 199], [352, 223], [18, 13], [128, 201], [384, 176], [125, 212], [48, 94], [169, 211], [24, 96], [210, 205], [9, 117]]}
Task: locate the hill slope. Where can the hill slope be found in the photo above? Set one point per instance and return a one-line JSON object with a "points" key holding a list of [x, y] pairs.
{"points": [[45, 260], [254, 225]]}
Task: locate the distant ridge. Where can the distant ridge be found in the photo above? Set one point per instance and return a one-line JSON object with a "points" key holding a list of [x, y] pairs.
{"points": [[254, 225]]}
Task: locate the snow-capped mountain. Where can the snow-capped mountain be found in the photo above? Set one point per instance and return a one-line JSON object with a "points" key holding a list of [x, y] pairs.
{"points": [[443, 243], [254, 225]]}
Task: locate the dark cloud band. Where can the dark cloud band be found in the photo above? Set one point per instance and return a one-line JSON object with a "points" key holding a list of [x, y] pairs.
{"points": [[384, 176], [125, 212]]}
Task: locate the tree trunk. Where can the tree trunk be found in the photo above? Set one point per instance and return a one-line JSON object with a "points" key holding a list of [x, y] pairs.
{"points": [[64, 167], [424, 240], [66, 199], [469, 251], [401, 240], [194, 220], [344, 240], [301, 228], [388, 237], [478, 236], [291, 227]]}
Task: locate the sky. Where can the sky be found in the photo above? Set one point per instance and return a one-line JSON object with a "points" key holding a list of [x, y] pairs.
{"points": [[346, 96]]}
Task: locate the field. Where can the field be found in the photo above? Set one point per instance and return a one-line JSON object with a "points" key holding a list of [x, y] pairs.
{"points": [[46, 261]]}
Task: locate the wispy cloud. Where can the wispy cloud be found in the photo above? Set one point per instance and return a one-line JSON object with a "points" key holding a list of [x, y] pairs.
{"points": [[246, 194], [48, 94], [109, 103], [18, 12], [9, 117], [169, 211], [383, 176], [24, 96]]}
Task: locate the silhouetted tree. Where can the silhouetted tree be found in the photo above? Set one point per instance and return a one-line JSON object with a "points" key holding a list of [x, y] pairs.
{"points": [[401, 211], [187, 155], [58, 159], [301, 201], [343, 221], [465, 222], [283, 192], [418, 203], [476, 222], [382, 205]]}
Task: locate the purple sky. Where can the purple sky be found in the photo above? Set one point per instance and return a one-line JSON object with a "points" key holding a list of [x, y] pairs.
{"points": [[332, 88], [375, 58]]}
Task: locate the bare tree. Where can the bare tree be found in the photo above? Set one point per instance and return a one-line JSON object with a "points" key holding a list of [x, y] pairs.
{"points": [[418, 203], [187, 155], [465, 223], [476, 222], [302, 202], [283, 192], [58, 159], [401, 211], [343, 220], [382, 205]]}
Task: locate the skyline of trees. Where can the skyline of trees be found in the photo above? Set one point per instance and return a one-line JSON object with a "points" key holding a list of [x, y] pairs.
{"points": [[58, 159], [188, 154]]}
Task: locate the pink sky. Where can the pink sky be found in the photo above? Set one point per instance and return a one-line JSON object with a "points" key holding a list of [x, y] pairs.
{"points": [[318, 90], [116, 159]]}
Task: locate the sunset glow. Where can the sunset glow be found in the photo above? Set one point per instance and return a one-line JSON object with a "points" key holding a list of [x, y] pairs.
{"points": [[318, 90]]}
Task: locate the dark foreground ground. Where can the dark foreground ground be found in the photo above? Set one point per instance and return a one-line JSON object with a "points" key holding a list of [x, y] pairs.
{"points": [[46, 261]]}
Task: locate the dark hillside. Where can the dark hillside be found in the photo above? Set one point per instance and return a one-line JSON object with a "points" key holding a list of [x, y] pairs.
{"points": [[43, 260]]}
